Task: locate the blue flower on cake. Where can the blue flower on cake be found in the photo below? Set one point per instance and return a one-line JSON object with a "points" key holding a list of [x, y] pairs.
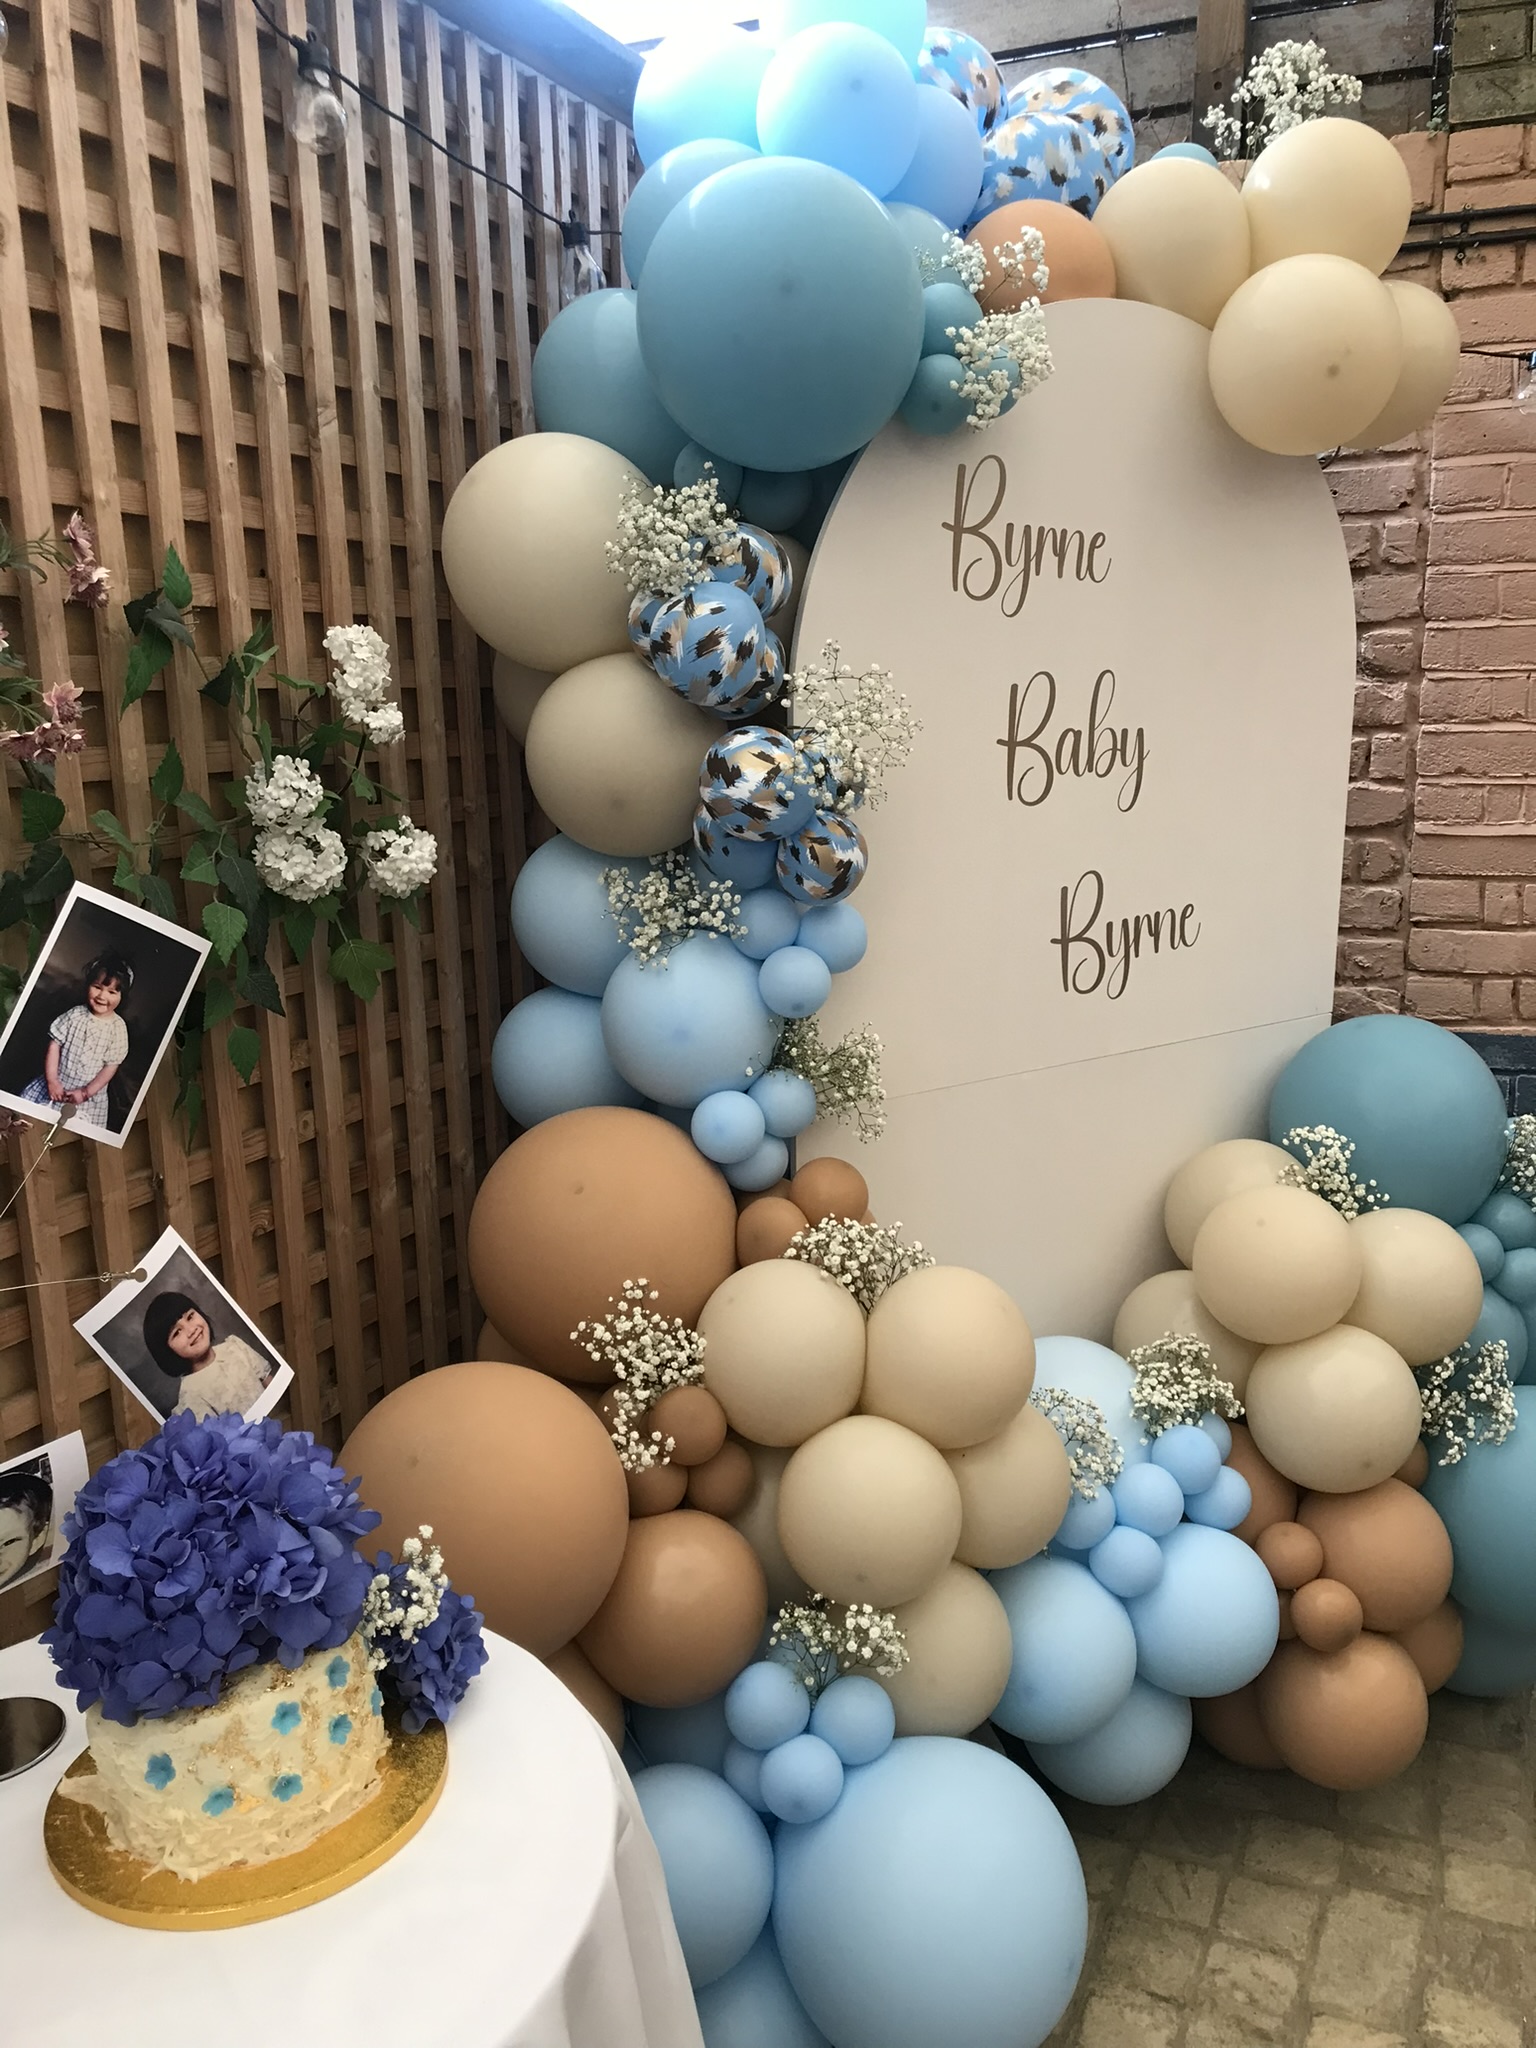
{"points": [[425, 1638]]}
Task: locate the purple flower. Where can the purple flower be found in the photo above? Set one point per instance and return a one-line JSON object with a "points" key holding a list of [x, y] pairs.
{"points": [[429, 1675], [218, 1544]]}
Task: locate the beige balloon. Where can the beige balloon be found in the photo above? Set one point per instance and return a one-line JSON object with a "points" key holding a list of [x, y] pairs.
{"points": [[1178, 231], [959, 1650], [1420, 1286], [523, 549], [1305, 354], [799, 559], [1168, 1305], [1229, 1168], [950, 1356], [1276, 1264], [868, 1511], [517, 689], [1336, 1412], [1330, 187], [783, 1350], [613, 756], [758, 1521], [1014, 1490], [1431, 352]]}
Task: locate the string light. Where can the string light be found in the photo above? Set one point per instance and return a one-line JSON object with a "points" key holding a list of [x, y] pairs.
{"points": [[580, 271], [1525, 383], [319, 118]]}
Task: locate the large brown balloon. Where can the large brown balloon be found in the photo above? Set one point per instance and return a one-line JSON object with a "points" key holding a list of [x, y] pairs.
{"points": [[684, 1613], [1434, 1644], [595, 1693], [582, 1203], [1387, 1545], [1274, 1497], [1346, 1721], [1077, 257], [520, 1484], [1231, 1725]]}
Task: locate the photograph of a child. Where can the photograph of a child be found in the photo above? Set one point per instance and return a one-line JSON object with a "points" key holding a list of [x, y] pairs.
{"points": [[181, 1343], [37, 1490], [97, 1013]]}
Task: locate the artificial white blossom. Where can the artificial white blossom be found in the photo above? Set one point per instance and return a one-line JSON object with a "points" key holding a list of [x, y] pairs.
{"points": [[1326, 1170], [1467, 1399], [668, 537], [400, 859], [845, 1077], [1177, 1383], [1285, 85], [648, 1355], [425, 1584], [865, 1259], [288, 793], [851, 729], [361, 683], [670, 902], [1093, 1454], [302, 862]]}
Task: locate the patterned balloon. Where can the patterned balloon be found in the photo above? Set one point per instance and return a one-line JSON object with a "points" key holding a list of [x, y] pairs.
{"points": [[824, 861], [1062, 90], [1041, 156], [750, 784], [769, 687], [760, 566], [707, 645], [643, 608], [959, 64]]}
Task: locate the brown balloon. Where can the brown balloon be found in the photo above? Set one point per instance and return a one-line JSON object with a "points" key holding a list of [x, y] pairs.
{"points": [[684, 1614], [1076, 254], [724, 1485], [1388, 1546], [1231, 1725], [694, 1420], [1290, 1554], [1325, 1614], [492, 1344], [595, 1693], [829, 1187], [1346, 1721], [1414, 1469], [766, 1228], [656, 1490], [1274, 1497], [1287, 1626], [582, 1203], [745, 1197], [1434, 1644], [519, 1482]]}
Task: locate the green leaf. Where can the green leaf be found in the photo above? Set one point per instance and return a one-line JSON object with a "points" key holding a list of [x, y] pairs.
{"points": [[256, 983], [163, 618], [168, 779], [221, 687], [178, 584], [408, 907], [218, 1003], [258, 649], [192, 806], [48, 874], [138, 675], [109, 828], [363, 787], [41, 815], [125, 876], [357, 965], [299, 930], [240, 878], [300, 683], [319, 743], [158, 898], [13, 904], [225, 926], [197, 865], [244, 1049], [138, 609]]}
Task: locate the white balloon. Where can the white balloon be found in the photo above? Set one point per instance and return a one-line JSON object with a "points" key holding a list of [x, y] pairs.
{"points": [[1329, 187], [1431, 352], [959, 1650], [1178, 231], [517, 689]]}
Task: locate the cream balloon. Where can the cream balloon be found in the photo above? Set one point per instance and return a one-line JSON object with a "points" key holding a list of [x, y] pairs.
{"points": [[517, 689], [524, 549], [1014, 1490], [783, 1350], [959, 1650], [868, 1511], [1168, 1305], [1431, 352], [1229, 1168], [613, 756], [758, 1521], [1336, 1412], [1305, 354], [1421, 1289], [950, 1356], [1329, 187], [1178, 231], [1276, 1264]]}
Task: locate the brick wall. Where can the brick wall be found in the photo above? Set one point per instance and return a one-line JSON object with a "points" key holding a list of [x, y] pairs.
{"points": [[1493, 72]]}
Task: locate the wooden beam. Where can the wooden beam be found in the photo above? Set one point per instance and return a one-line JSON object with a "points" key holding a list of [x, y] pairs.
{"points": [[553, 39], [1221, 48]]}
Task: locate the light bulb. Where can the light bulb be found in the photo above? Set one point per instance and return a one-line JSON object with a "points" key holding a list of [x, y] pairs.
{"points": [[1525, 383], [580, 271], [319, 119]]}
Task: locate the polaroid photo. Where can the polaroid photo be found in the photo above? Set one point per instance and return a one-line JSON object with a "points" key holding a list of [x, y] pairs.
{"points": [[181, 1342], [37, 1490], [96, 1015]]}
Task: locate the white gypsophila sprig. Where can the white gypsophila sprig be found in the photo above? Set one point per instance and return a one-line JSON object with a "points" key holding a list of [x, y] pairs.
{"points": [[361, 682], [1519, 1173], [400, 859], [668, 536], [845, 1077], [852, 728], [1326, 1171], [669, 903], [1285, 85], [1022, 261], [1093, 1454], [425, 1584], [1003, 353], [817, 1640], [301, 862], [289, 793], [1467, 1399], [865, 1259], [965, 260], [1177, 1382], [648, 1355]]}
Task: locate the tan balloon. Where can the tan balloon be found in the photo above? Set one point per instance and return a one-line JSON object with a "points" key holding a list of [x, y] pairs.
{"points": [[1276, 1264], [656, 1490], [1388, 1546], [1336, 1412], [868, 1511], [517, 689], [523, 549], [1290, 1553], [1421, 1289], [950, 1356], [723, 1484], [1178, 231], [613, 756], [1431, 352], [1331, 187], [1414, 1469], [595, 1693], [959, 1649], [1305, 354], [1078, 260], [766, 1228], [1325, 1614], [1274, 1497], [1231, 1725], [1014, 1490], [684, 1613], [1230, 1168], [1347, 1720], [1168, 1305], [1434, 1644], [694, 1420], [758, 1521], [493, 1345], [828, 1186], [783, 1350]]}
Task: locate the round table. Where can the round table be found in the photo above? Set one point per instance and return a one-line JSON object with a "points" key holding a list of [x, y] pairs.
{"points": [[530, 1912]]}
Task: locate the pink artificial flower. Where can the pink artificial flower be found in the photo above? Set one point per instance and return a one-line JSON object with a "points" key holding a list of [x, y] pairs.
{"points": [[89, 583], [62, 703], [20, 746]]}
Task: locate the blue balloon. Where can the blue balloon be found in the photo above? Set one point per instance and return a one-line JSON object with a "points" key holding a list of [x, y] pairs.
{"points": [[1087, 1521], [753, 2006], [748, 863], [549, 1057], [925, 235], [690, 1028], [561, 922], [1148, 1498], [670, 179], [769, 920], [1511, 1219], [1495, 1662], [682, 1735], [1094, 1373], [758, 563], [1486, 1246], [837, 932], [1195, 151], [901, 22], [794, 981], [780, 314], [691, 465], [742, 1770], [802, 1779], [1128, 1561], [856, 1716], [775, 499], [760, 1169], [1212, 1622], [824, 860], [1137, 1751], [717, 1860], [588, 379], [825, 485], [1190, 1454], [1501, 1322], [1517, 1276], [1227, 1501], [940, 1900], [788, 1102], [964, 68], [933, 404], [944, 175], [1426, 1116], [766, 1704], [728, 1127], [696, 86], [946, 306], [1488, 1505], [1216, 1429], [1074, 1653]]}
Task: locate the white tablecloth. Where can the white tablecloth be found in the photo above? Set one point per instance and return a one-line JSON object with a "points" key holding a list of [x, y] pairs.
{"points": [[530, 1912]]}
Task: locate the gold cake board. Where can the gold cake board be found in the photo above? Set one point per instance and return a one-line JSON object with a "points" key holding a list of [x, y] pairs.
{"points": [[121, 1887]]}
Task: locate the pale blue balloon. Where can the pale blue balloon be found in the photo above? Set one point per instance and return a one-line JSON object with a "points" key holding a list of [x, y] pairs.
{"points": [[941, 1900], [717, 1860], [1496, 1663], [1488, 1505], [775, 500], [561, 922], [857, 1717], [1517, 1277], [840, 95], [1216, 1429], [932, 404], [1074, 1652], [837, 932], [1087, 1521], [947, 306], [1127, 1562], [692, 463], [1190, 1454], [753, 2005], [690, 1028], [768, 920], [728, 1127], [1511, 1219], [787, 1100], [682, 1735], [1193, 150], [1227, 1501], [748, 863], [670, 179], [801, 1779], [765, 1705], [1149, 1498], [588, 379], [944, 175], [1136, 1752], [701, 84], [1094, 1373], [742, 1770], [902, 22], [1486, 1246], [760, 1169], [794, 981], [925, 236], [1212, 1621], [549, 1056]]}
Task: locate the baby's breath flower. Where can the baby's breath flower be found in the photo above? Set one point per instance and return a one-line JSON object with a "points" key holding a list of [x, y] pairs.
{"points": [[851, 730], [1003, 354], [864, 1258], [818, 1642], [668, 903], [668, 537], [1093, 1454], [405, 1609], [1285, 85], [966, 260], [1176, 1382], [845, 1076], [1520, 1159], [1467, 1399], [1326, 1170], [648, 1354]]}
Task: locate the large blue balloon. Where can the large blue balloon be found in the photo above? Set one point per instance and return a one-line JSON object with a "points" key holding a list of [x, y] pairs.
{"points": [[670, 179], [1211, 1622], [1426, 1116], [697, 85], [754, 2006], [1074, 1652], [549, 1057], [944, 175], [940, 1900], [1137, 1751], [684, 1030], [588, 379], [926, 235], [1094, 1373], [683, 1735], [1488, 1505], [780, 314], [1495, 1663], [717, 1860], [842, 96], [561, 923], [902, 22]]}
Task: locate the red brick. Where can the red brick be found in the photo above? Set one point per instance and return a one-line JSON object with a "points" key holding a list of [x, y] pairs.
{"points": [[1525, 992], [1486, 429], [1370, 805], [1443, 1001], [1491, 753], [1481, 153], [1359, 758], [1438, 951], [1377, 860], [1370, 959], [1474, 853], [1431, 902], [1502, 903], [1400, 542], [1374, 486], [1447, 804], [1517, 594], [1474, 647], [1380, 703], [1389, 651], [1443, 698], [1480, 540], [1425, 158], [1370, 910], [1389, 596], [1461, 594], [1467, 486], [1365, 1002]]}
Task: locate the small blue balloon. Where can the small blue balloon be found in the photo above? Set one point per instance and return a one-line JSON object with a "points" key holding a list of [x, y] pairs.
{"points": [[1212, 1622], [1227, 1501], [717, 1860], [944, 175], [765, 1705], [1517, 1277], [1500, 1322], [802, 1779], [837, 932], [1195, 151], [768, 921], [1148, 1497], [1485, 1246], [699, 85], [787, 1100], [1127, 1562], [925, 235], [1216, 1429], [1074, 1653], [933, 404], [1511, 1219], [901, 22], [588, 379], [692, 465], [1136, 1752], [682, 1735], [753, 2006], [947, 306], [549, 1057], [1488, 1505], [760, 1169], [824, 860], [691, 1028], [1496, 1663], [728, 1127], [748, 863], [774, 499], [856, 1717], [561, 920], [965, 69], [1189, 1454], [742, 1769], [794, 981], [826, 482], [1094, 1373], [1087, 1521], [670, 179]]}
